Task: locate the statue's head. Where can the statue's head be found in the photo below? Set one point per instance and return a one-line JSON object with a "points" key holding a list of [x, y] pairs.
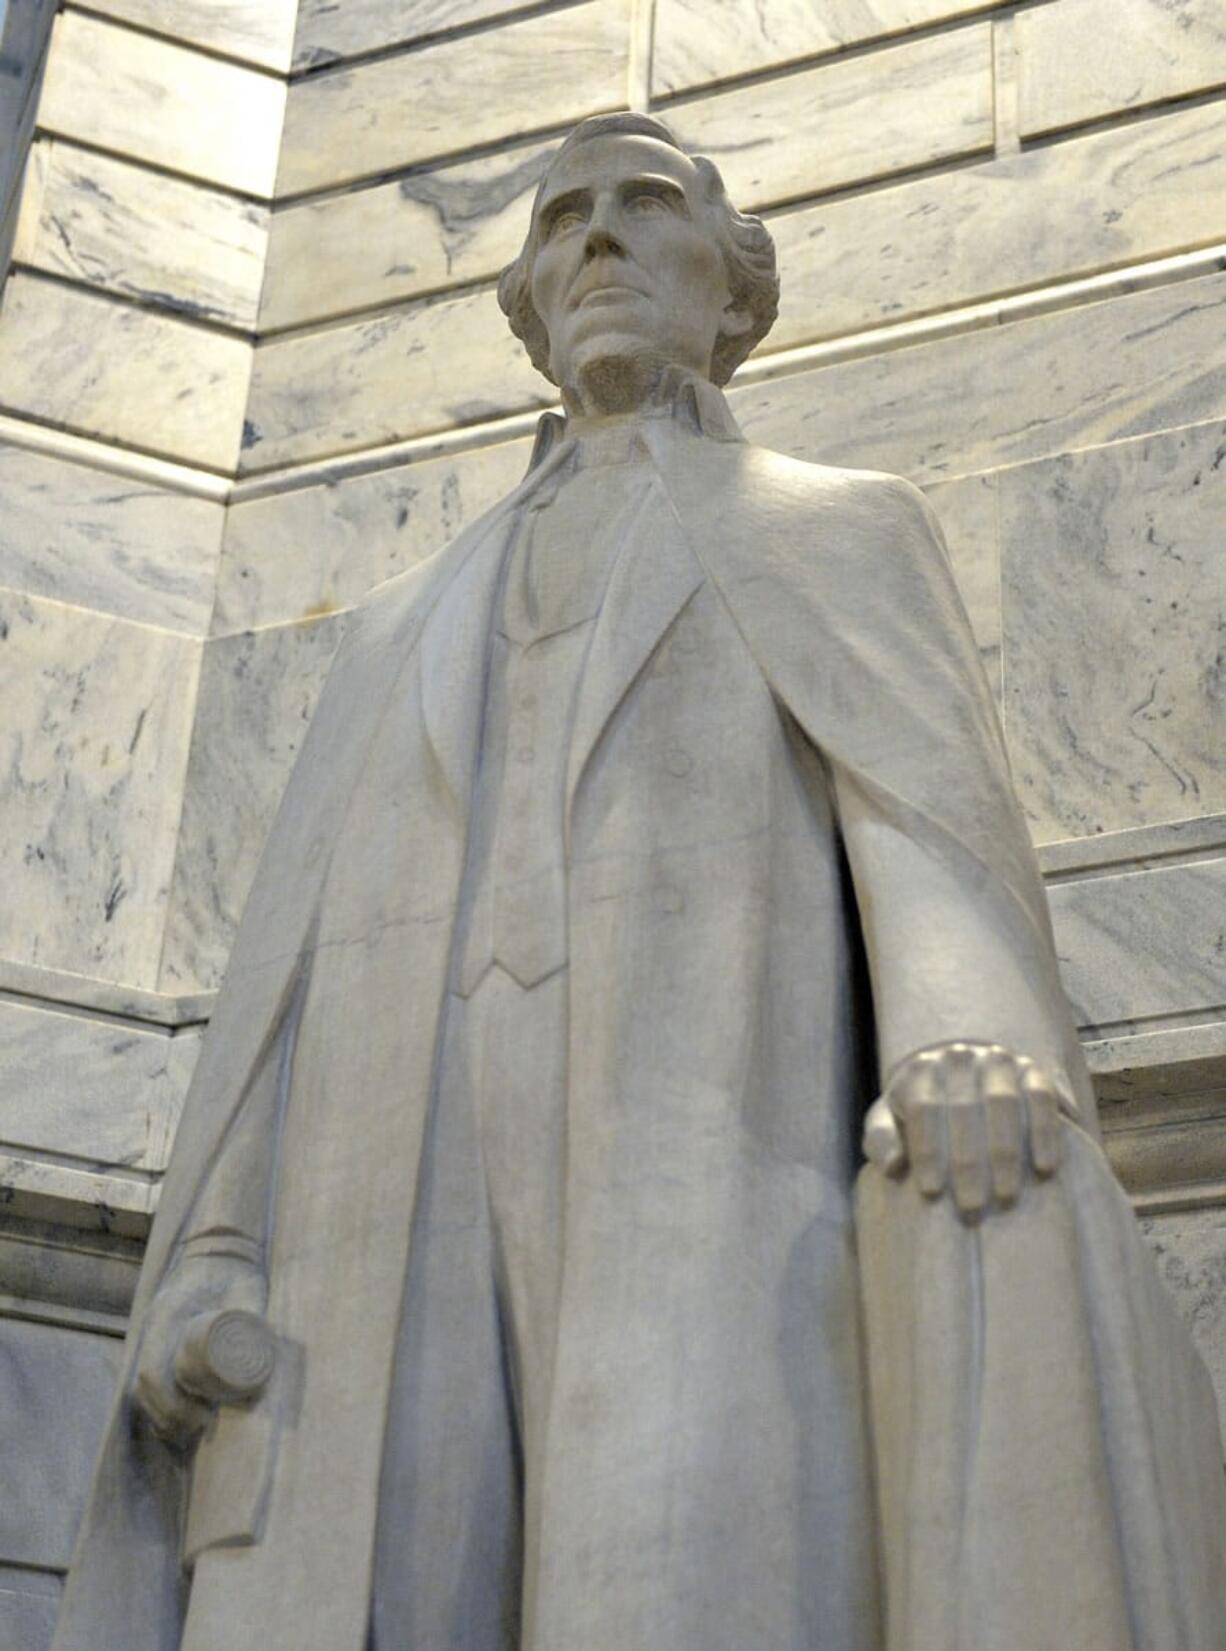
{"points": [[635, 258]]}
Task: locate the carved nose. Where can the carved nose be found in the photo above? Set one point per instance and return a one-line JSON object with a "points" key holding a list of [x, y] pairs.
{"points": [[602, 243]]}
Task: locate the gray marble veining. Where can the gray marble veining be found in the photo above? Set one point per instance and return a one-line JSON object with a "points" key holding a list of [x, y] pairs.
{"points": [[1083, 59], [395, 111], [1190, 1247], [163, 241], [1115, 632], [261, 31], [314, 550], [328, 32], [847, 122], [95, 540], [97, 719], [257, 692], [1002, 395], [696, 42], [105, 368]]}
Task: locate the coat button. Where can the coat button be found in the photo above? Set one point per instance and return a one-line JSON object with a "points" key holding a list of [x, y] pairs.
{"points": [[678, 761]]}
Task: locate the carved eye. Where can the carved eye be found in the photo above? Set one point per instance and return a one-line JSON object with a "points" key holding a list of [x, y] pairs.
{"points": [[563, 224], [645, 204]]}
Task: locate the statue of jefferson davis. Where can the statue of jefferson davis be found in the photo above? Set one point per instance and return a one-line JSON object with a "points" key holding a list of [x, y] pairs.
{"points": [[643, 838]]}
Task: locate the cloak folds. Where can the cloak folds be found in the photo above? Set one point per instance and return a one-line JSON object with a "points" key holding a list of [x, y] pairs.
{"points": [[325, 1032]]}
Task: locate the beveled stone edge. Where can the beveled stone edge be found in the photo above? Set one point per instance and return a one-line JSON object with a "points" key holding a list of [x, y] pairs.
{"points": [[35, 986]]}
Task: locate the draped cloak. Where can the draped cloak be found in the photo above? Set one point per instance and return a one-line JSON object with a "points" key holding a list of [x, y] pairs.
{"points": [[320, 1060]]}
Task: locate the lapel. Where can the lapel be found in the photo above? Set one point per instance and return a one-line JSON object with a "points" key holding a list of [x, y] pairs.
{"points": [[655, 575]]}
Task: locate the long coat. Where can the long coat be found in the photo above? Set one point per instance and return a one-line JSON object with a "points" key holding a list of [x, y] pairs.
{"points": [[315, 1076]]}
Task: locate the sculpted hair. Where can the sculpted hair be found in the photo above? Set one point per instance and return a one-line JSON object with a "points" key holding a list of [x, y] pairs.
{"points": [[744, 241]]}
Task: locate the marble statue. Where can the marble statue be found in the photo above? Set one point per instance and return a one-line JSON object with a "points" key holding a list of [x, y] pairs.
{"points": [[510, 1284]]}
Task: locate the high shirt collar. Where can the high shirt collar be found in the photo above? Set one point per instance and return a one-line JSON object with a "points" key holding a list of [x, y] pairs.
{"points": [[680, 399]]}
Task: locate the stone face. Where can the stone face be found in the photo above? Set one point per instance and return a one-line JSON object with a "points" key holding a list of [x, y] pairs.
{"points": [[396, 111], [133, 232], [1004, 394], [130, 549], [1083, 59], [695, 43], [101, 368], [843, 123], [1120, 542], [96, 728], [140, 96]]}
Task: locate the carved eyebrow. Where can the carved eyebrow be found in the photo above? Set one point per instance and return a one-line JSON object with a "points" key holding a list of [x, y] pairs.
{"points": [[654, 183], [570, 200]]}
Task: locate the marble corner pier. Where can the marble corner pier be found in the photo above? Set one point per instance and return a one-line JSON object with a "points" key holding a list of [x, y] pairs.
{"points": [[251, 366]]}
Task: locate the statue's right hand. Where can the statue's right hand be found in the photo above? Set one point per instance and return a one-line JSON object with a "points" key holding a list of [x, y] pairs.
{"points": [[198, 1285]]}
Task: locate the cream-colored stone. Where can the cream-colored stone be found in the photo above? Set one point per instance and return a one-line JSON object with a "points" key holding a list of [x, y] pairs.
{"points": [[124, 229], [1083, 59], [410, 107], [81, 536], [1137, 192], [258, 31], [391, 241], [328, 32], [1099, 546], [967, 511], [696, 43], [316, 550], [160, 102], [403, 373], [843, 123], [105, 368], [97, 717], [1002, 395]]}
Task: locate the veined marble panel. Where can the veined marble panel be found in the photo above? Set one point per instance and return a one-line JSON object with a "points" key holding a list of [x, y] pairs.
{"points": [[258, 691], [1001, 395], [697, 43], [91, 1089], [159, 102], [542, 72], [328, 32], [106, 368], [124, 229], [967, 510], [847, 122], [318, 550], [1115, 635], [56, 1391], [93, 749], [1092, 203], [395, 240], [405, 373], [98, 541], [259, 31], [1190, 1247], [1083, 59], [29, 1603], [1142, 944]]}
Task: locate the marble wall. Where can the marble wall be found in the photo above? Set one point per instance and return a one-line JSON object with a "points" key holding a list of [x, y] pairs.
{"points": [[252, 365]]}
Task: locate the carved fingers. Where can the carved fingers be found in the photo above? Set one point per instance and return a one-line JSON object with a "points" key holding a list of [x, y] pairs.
{"points": [[968, 1119]]}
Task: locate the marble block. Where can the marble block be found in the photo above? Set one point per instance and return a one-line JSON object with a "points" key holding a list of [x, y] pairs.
{"points": [[1083, 59], [396, 111], [406, 372], [136, 95], [327, 32], [93, 748], [847, 122], [1135, 192], [396, 240], [257, 31], [95, 540], [29, 1601], [164, 241], [696, 43], [91, 1089], [1190, 1247], [257, 693], [310, 551], [1114, 592], [56, 1388], [1002, 395], [105, 368], [1143, 944]]}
